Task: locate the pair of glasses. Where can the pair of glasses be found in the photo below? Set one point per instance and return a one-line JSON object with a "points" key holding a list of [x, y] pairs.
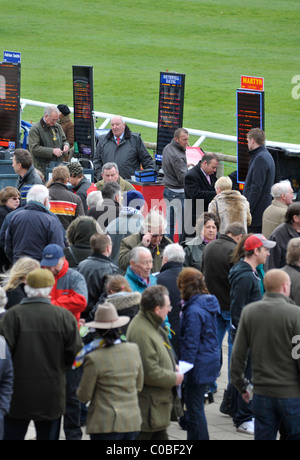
{"points": [[157, 234], [15, 198]]}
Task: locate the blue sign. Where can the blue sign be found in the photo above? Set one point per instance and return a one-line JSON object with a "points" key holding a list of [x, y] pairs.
{"points": [[171, 79], [12, 57]]}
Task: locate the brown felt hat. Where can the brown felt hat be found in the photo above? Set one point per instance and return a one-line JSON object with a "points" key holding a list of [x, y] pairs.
{"points": [[106, 317]]}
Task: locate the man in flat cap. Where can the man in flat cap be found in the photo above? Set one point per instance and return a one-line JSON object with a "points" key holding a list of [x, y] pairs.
{"points": [[43, 340]]}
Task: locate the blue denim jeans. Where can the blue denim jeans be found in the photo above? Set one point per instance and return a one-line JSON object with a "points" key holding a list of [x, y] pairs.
{"points": [[197, 424], [269, 412], [174, 212], [224, 324]]}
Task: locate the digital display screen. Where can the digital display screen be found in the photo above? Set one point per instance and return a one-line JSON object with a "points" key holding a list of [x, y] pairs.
{"points": [[10, 76], [84, 135], [250, 114], [170, 110]]}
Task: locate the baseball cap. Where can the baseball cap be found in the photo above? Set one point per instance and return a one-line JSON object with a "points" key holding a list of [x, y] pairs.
{"points": [[258, 241], [51, 255]]}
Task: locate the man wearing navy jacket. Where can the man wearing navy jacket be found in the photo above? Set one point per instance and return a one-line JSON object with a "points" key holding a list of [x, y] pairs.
{"points": [[259, 179]]}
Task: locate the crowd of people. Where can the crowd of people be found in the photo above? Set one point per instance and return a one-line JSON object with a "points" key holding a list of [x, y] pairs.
{"points": [[100, 307]]}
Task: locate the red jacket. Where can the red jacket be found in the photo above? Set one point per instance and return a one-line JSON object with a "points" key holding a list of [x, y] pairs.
{"points": [[70, 291]]}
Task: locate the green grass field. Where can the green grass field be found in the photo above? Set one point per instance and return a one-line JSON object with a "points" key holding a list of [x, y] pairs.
{"points": [[129, 43]]}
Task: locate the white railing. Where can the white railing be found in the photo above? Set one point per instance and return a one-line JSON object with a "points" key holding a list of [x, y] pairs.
{"points": [[202, 135]]}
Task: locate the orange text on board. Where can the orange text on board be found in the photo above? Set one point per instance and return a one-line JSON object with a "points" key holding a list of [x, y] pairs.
{"points": [[255, 83]]}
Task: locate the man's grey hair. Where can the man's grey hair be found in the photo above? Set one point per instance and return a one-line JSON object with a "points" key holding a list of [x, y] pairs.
{"points": [[280, 188], [174, 253], [118, 116], [37, 292], [50, 109], [94, 199], [38, 193], [110, 165], [136, 252]]}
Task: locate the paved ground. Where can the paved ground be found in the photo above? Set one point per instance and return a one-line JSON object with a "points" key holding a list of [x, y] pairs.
{"points": [[220, 426]]}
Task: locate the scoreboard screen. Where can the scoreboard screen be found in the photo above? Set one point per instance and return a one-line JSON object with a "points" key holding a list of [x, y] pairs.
{"points": [[250, 114], [10, 77], [84, 132], [170, 109]]}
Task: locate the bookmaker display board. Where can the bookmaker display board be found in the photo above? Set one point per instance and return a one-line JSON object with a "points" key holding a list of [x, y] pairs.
{"points": [[10, 77], [84, 132], [170, 109], [250, 114]]}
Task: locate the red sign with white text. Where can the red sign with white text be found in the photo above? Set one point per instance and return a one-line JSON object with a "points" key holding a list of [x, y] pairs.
{"points": [[255, 83]]}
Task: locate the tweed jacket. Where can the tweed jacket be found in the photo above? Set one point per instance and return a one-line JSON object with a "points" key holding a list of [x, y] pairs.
{"points": [[111, 380], [156, 397]]}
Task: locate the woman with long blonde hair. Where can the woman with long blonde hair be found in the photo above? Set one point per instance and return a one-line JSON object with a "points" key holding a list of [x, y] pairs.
{"points": [[14, 280]]}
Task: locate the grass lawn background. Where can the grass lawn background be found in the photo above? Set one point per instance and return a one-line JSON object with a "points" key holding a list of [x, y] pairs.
{"points": [[129, 43]]}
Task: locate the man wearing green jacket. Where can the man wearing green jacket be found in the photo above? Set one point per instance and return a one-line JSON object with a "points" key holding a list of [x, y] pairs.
{"points": [[269, 329], [160, 374], [47, 140]]}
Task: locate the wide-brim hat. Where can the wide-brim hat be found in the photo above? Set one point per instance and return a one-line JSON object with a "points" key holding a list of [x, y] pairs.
{"points": [[107, 317]]}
